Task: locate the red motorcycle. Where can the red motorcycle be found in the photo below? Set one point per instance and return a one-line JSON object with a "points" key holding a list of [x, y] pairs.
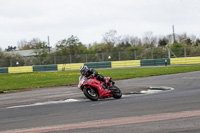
{"points": [[94, 89]]}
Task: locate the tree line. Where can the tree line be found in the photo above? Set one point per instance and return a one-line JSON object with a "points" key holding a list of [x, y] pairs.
{"points": [[117, 47]]}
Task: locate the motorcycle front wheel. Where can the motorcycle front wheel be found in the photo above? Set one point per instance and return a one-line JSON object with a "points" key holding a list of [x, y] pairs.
{"points": [[91, 94], [117, 92]]}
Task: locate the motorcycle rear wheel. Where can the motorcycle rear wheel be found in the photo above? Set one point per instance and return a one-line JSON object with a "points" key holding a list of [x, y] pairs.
{"points": [[91, 94], [117, 92]]}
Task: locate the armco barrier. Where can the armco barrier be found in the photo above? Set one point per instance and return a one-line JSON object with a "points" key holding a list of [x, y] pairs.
{"points": [[73, 66], [131, 63], [20, 69], [3, 70], [98, 65], [45, 68], [155, 62], [186, 60]]}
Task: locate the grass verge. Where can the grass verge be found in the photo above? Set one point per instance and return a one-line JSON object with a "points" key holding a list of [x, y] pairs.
{"points": [[41, 79]]}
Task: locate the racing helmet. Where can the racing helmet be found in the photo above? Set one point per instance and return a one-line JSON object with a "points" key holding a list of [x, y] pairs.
{"points": [[83, 70]]}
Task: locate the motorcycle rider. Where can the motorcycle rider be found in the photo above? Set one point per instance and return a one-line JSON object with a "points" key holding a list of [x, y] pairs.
{"points": [[89, 73]]}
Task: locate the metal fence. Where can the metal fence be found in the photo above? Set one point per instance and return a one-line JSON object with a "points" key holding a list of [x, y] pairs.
{"points": [[17, 60]]}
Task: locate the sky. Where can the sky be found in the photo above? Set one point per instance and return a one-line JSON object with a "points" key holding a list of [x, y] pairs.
{"points": [[89, 20]]}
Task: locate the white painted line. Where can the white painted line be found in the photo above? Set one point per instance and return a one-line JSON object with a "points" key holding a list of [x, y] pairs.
{"points": [[44, 103], [157, 91], [164, 87], [76, 100], [169, 88], [151, 91]]}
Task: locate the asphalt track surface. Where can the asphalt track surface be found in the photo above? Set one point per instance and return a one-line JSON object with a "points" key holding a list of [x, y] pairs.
{"points": [[176, 111]]}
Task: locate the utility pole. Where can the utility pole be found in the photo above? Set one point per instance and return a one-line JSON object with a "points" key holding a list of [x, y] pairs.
{"points": [[173, 34], [48, 43], [169, 50]]}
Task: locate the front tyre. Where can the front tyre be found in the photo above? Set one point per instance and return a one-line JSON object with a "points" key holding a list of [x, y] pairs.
{"points": [[117, 92], [91, 94]]}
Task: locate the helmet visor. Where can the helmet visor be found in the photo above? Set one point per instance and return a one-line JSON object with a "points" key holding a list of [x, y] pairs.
{"points": [[84, 71]]}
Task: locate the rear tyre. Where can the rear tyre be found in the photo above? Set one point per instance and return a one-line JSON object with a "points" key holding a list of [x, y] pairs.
{"points": [[117, 92], [91, 94]]}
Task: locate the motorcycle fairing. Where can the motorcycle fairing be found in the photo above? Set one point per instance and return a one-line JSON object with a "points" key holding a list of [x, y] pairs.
{"points": [[93, 82]]}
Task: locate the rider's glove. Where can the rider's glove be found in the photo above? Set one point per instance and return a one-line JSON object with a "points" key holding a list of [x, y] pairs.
{"points": [[91, 76]]}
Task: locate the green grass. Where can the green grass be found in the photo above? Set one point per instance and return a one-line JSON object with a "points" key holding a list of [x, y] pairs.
{"points": [[41, 79]]}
